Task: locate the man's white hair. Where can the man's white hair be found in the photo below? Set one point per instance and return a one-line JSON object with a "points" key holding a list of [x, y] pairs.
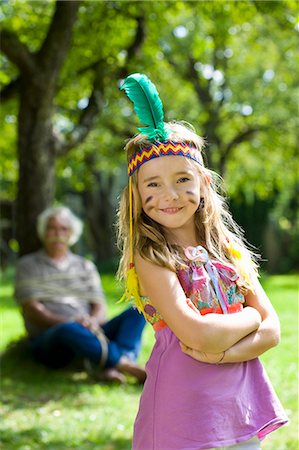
{"points": [[75, 224]]}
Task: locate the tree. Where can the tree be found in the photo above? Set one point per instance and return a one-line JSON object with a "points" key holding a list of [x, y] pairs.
{"points": [[37, 145], [226, 67], [37, 84]]}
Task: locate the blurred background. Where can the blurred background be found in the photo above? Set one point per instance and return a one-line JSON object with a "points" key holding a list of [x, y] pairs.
{"points": [[229, 68]]}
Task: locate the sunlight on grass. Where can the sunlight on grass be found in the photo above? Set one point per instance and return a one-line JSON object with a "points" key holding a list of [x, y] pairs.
{"points": [[52, 410]]}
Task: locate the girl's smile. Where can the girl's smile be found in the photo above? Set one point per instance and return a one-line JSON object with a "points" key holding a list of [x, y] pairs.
{"points": [[169, 189], [171, 210]]}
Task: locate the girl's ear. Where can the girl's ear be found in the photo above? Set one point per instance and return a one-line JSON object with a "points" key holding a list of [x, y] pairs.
{"points": [[208, 178]]}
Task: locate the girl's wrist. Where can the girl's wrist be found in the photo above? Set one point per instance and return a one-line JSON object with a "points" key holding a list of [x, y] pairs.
{"points": [[211, 357]]}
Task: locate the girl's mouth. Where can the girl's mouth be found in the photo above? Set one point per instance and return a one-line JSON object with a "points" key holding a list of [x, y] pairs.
{"points": [[171, 210]]}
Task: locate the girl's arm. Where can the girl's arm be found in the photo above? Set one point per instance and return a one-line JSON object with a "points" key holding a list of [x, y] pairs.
{"points": [[210, 333], [256, 343]]}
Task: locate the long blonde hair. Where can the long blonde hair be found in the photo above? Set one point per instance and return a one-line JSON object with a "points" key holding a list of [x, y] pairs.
{"points": [[217, 231]]}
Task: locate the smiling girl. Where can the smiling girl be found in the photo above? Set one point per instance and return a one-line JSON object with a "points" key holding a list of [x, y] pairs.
{"points": [[198, 288]]}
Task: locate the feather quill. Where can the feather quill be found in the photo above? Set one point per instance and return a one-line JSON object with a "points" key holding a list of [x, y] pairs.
{"points": [[147, 105]]}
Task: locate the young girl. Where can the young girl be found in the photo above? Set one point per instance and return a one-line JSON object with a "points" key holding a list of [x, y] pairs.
{"points": [[197, 286]]}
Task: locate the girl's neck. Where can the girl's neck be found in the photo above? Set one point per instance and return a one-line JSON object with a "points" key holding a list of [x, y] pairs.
{"points": [[182, 239]]}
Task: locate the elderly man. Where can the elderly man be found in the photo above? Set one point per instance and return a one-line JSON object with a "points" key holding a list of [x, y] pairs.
{"points": [[64, 307]]}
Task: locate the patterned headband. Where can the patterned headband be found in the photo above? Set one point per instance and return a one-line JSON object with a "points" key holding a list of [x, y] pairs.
{"points": [[158, 149]]}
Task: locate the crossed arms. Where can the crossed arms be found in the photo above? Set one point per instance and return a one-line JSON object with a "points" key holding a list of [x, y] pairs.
{"points": [[242, 336]]}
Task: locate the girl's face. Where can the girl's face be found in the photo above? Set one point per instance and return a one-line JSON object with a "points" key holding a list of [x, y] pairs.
{"points": [[169, 189]]}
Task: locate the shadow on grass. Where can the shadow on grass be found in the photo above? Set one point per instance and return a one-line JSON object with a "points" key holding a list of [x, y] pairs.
{"points": [[24, 380], [37, 437], [28, 386], [17, 363]]}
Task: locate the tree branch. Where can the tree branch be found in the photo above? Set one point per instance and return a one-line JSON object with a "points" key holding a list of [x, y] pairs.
{"points": [[203, 93], [86, 120], [140, 36], [238, 139], [56, 44], [135, 46], [132, 51], [17, 52], [242, 136]]}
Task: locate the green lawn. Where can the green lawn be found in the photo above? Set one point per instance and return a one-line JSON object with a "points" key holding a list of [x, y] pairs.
{"points": [[53, 410]]}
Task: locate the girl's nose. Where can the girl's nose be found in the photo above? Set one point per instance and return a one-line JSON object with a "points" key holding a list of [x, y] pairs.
{"points": [[171, 194]]}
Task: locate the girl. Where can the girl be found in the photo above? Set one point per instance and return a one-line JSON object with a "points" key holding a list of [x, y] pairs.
{"points": [[197, 285]]}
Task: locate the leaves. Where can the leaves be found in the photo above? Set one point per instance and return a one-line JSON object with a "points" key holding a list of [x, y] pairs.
{"points": [[225, 67]]}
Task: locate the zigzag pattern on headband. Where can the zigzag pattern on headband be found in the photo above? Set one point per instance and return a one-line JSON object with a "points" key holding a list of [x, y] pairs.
{"points": [[163, 149]]}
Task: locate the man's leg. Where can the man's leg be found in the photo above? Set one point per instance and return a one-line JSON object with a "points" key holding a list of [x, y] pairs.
{"points": [[125, 331], [59, 345]]}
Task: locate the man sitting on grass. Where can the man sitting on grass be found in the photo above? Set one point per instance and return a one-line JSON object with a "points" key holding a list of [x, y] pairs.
{"points": [[64, 307]]}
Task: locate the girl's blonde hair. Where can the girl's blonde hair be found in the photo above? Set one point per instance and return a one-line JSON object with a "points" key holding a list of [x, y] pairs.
{"points": [[217, 231]]}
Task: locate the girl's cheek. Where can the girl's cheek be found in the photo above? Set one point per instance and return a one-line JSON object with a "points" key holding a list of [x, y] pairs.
{"points": [[148, 203], [148, 199], [191, 193]]}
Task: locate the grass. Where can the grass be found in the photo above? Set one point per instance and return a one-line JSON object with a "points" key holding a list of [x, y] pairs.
{"points": [[55, 410]]}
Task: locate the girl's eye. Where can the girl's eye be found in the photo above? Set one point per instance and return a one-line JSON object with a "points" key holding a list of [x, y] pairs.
{"points": [[152, 184], [183, 180]]}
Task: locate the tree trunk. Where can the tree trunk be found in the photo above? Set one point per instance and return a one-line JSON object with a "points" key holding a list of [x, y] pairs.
{"points": [[39, 74], [36, 161], [101, 218]]}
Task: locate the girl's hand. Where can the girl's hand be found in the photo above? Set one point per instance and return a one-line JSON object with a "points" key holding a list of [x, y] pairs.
{"points": [[209, 358]]}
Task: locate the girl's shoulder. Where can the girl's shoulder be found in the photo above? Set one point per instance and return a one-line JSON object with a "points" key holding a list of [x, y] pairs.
{"points": [[151, 274]]}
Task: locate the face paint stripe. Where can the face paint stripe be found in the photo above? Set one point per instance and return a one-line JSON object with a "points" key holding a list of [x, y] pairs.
{"points": [[148, 199]]}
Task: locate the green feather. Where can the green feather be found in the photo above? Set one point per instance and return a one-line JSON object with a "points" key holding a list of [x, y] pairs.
{"points": [[147, 105]]}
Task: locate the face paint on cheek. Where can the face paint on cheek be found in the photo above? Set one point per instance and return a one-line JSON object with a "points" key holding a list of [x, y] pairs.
{"points": [[192, 194], [148, 199]]}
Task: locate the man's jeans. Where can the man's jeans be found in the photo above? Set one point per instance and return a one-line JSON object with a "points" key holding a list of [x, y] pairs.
{"points": [[59, 345]]}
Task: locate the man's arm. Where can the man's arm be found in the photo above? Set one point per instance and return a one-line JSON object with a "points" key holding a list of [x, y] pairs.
{"points": [[37, 313], [98, 313]]}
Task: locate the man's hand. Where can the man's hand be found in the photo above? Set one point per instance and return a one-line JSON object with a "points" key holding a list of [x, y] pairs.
{"points": [[89, 322]]}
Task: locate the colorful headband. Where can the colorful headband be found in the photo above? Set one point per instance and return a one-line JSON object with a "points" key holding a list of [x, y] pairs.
{"points": [[158, 149]]}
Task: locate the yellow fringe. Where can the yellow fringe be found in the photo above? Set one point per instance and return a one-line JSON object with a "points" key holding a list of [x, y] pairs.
{"points": [[238, 255], [234, 252], [132, 290], [132, 284]]}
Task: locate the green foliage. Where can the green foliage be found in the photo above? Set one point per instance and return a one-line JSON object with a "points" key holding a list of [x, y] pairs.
{"points": [[229, 68], [8, 157], [40, 407], [244, 53]]}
